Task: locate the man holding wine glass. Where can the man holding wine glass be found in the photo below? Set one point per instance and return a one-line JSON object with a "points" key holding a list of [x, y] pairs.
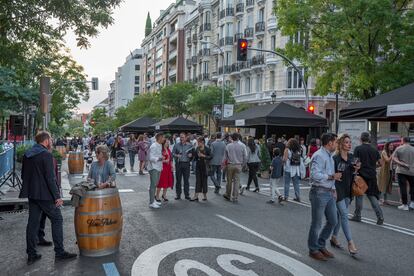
{"points": [[369, 158]]}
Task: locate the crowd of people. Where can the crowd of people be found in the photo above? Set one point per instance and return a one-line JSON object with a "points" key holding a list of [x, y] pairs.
{"points": [[327, 162]]}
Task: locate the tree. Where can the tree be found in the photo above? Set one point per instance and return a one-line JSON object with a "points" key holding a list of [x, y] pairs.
{"points": [[174, 99], [264, 158], [203, 101], [148, 25], [357, 48], [74, 127]]}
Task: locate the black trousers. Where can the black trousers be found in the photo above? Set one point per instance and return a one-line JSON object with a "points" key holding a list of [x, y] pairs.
{"points": [[182, 170], [36, 208], [253, 168], [41, 233], [402, 182], [201, 179]]}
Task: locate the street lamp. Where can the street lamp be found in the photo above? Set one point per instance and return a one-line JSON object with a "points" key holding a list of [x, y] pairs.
{"points": [[222, 84], [273, 96]]}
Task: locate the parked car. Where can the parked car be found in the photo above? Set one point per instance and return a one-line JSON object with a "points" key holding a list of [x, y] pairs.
{"points": [[395, 140]]}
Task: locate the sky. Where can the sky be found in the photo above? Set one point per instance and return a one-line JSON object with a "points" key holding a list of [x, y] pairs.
{"points": [[110, 48]]}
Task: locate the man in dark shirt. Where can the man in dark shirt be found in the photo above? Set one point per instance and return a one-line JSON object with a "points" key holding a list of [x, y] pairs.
{"points": [[369, 158], [183, 154], [39, 186], [280, 145]]}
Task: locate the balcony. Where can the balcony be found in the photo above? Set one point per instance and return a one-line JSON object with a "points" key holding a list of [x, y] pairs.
{"points": [[226, 69], [226, 41], [249, 5], [258, 61], [240, 10], [194, 79], [272, 59], [271, 24], [205, 27], [238, 36], [260, 2], [235, 68], [204, 77], [195, 38], [172, 55], [228, 12], [294, 92], [245, 66], [204, 52], [260, 29], [194, 60], [172, 72], [248, 33], [214, 75]]}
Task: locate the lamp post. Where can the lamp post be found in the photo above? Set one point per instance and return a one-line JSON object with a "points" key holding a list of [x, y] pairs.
{"points": [[222, 84], [273, 96]]}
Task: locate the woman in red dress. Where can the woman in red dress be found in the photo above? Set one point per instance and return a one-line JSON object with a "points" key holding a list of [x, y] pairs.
{"points": [[166, 178]]}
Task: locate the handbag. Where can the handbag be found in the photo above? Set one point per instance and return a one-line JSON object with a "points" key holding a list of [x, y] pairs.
{"points": [[359, 187]]}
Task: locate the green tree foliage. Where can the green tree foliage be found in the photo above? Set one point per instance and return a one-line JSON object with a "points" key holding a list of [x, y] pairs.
{"points": [[356, 48], [148, 25], [264, 157], [174, 99], [203, 101], [74, 127]]}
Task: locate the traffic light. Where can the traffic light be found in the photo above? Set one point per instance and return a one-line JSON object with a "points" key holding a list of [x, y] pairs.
{"points": [[242, 45], [92, 122], [95, 84], [311, 109]]}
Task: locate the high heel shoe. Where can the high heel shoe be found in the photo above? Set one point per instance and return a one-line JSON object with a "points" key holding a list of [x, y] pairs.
{"points": [[352, 251], [194, 199], [164, 198], [256, 190], [335, 244]]}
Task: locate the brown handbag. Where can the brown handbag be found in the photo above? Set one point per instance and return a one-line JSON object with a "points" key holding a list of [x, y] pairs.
{"points": [[359, 187]]}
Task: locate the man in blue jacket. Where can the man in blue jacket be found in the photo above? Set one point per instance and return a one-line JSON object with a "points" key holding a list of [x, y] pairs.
{"points": [[39, 186]]}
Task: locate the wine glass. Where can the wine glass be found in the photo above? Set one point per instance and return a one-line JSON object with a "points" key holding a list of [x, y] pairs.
{"points": [[341, 167]]}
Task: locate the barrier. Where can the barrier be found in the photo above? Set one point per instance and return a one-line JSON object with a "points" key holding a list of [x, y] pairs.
{"points": [[6, 162]]}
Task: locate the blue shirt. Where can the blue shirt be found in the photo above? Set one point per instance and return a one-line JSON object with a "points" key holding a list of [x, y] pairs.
{"points": [[322, 166], [277, 167], [101, 174]]}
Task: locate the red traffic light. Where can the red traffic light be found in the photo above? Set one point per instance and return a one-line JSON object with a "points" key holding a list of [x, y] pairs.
{"points": [[311, 108], [243, 44]]}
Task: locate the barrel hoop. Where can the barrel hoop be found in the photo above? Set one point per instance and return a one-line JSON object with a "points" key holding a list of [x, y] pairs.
{"points": [[107, 212], [99, 252], [98, 196], [112, 233]]}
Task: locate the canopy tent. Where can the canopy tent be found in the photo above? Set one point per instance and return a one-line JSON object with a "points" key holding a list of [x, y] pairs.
{"points": [[396, 105], [281, 117], [139, 125], [177, 124]]}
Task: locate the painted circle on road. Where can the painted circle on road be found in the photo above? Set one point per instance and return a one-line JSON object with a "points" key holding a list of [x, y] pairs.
{"points": [[148, 262]]}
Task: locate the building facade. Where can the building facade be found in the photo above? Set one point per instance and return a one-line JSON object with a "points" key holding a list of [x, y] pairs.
{"points": [[127, 83]]}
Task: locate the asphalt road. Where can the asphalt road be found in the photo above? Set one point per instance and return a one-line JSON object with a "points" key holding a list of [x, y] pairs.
{"points": [[217, 238]]}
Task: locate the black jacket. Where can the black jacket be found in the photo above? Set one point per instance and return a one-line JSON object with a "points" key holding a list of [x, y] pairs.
{"points": [[38, 175]]}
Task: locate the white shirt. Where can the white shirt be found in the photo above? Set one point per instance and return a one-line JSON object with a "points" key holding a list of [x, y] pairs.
{"points": [[155, 157]]}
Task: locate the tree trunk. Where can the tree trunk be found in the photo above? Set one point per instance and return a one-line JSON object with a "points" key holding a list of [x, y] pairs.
{"points": [[374, 133]]}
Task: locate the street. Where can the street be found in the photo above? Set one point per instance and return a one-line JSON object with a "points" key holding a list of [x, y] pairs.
{"points": [[217, 237]]}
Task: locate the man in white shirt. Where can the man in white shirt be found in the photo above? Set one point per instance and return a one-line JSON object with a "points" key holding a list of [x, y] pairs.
{"points": [[155, 167]]}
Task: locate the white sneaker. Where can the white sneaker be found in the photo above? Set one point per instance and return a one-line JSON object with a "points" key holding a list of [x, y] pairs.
{"points": [[158, 203], [403, 207], [154, 206], [411, 205]]}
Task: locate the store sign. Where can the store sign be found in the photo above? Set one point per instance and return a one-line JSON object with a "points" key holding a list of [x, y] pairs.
{"points": [[157, 127], [240, 122], [353, 128], [400, 110]]}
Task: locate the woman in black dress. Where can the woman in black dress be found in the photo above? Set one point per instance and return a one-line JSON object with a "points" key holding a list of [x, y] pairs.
{"points": [[202, 158]]}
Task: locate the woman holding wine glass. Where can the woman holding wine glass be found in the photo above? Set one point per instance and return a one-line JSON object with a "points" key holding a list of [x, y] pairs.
{"points": [[346, 164]]}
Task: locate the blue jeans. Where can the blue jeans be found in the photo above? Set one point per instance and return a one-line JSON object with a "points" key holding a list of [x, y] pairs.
{"points": [[295, 181], [132, 158], [342, 207], [322, 203], [216, 177]]}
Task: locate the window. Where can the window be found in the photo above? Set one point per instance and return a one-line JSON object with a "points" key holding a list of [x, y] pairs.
{"points": [[273, 42], [247, 85], [258, 83], [260, 45], [205, 67], [393, 127], [136, 79], [237, 87], [207, 17], [300, 38], [136, 89], [261, 15], [137, 67], [272, 80], [293, 79]]}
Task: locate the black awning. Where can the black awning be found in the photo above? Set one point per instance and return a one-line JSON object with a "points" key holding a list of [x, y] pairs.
{"points": [[375, 109], [280, 114], [139, 125], [177, 124]]}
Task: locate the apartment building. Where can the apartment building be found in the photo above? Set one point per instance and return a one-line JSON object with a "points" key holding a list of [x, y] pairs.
{"points": [[127, 83], [164, 47], [212, 30]]}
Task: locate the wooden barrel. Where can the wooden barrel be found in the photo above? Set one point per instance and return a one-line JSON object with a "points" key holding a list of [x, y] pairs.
{"points": [[62, 151], [98, 222], [75, 162]]}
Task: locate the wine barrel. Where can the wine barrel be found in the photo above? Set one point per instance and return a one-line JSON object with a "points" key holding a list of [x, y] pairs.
{"points": [[62, 151], [98, 222], [75, 162]]}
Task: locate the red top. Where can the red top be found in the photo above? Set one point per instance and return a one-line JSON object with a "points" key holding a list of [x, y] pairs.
{"points": [[312, 150]]}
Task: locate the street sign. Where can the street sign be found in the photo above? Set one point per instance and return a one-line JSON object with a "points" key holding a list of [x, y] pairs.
{"points": [[216, 111], [228, 110], [241, 122], [400, 110]]}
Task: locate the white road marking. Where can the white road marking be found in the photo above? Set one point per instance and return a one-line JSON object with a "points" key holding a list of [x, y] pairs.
{"points": [[260, 236], [147, 264], [126, 190]]}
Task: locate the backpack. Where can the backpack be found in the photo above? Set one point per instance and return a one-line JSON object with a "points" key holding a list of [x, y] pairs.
{"points": [[295, 158]]}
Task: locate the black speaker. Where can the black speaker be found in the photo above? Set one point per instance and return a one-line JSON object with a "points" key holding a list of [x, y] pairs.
{"points": [[16, 125]]}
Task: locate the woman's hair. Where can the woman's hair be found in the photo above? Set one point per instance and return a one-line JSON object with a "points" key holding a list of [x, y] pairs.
{"points": [[340, 142], [293, 145], [387, 148], [104, 150], [313, 142], [201, 139], [132, 137], [140, 138], [251, 144]]}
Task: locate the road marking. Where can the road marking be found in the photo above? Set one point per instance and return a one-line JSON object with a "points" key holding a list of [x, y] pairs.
{"points": [[110, 269], [126, 190], [260, 236], [147, 264]]}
